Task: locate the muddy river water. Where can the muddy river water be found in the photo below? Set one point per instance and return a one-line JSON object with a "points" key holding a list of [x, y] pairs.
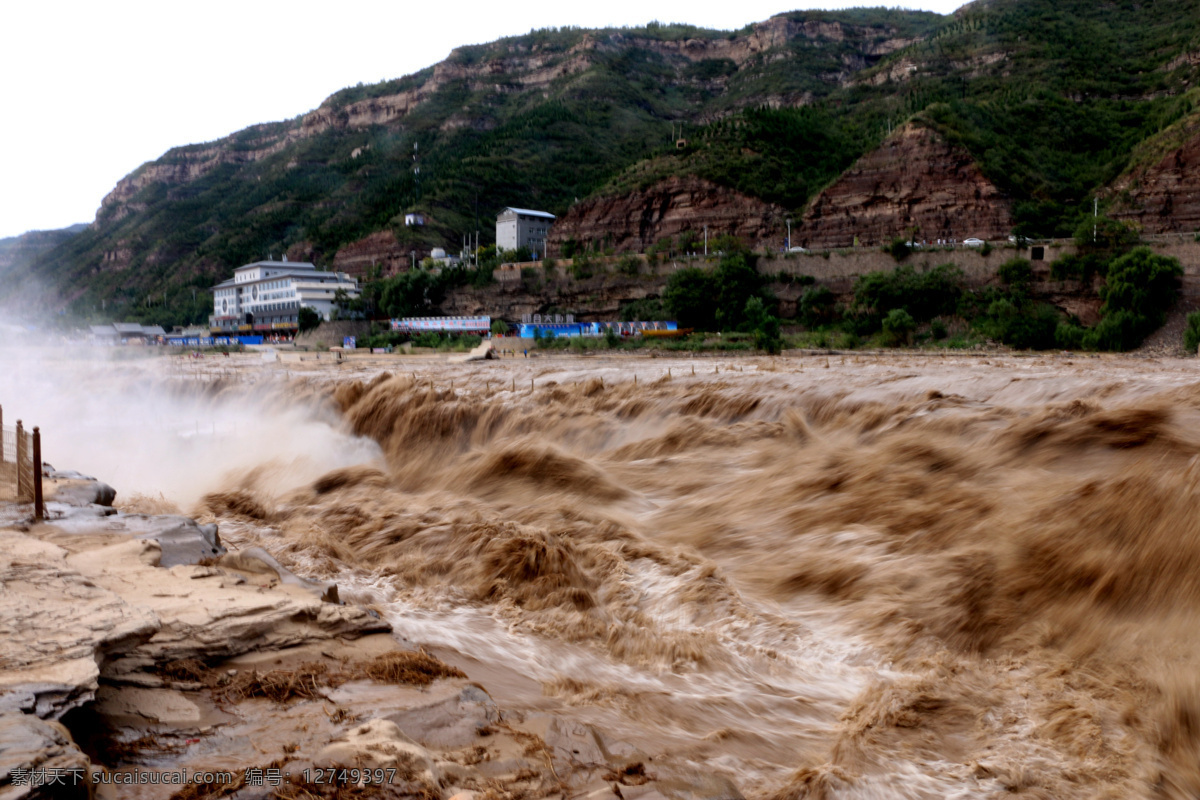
{"points": [[840, 576]]}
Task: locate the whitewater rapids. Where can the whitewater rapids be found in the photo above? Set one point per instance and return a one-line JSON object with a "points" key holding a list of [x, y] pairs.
{"points": [[842, 577]]}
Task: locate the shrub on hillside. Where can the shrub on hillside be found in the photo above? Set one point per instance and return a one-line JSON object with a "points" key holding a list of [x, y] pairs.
{"points": [[1191, 335], [898, 326], [1069, 335], [1105, 234], [647, 309], [581, 267], [1140, 288], [1016, 272], [899, 249], [763, 325], [629, 265], [1020, 323], [817, 307], [716, 300], [924, 295]]}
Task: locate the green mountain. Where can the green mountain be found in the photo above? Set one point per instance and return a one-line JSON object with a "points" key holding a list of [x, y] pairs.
{"points": [[1052, 98]]}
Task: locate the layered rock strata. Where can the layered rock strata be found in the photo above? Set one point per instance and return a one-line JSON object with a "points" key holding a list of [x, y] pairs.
{"points": [[915, 184], [379, 251], [503, 68], [158, 673], [1164, 197], [635, 221]]}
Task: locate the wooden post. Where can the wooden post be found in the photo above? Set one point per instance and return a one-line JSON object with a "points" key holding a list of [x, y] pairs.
{"points": [[20, 461], [39, 511]]}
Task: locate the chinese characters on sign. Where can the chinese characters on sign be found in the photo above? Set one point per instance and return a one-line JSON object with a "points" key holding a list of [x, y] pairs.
{"points": [[548, 319]]}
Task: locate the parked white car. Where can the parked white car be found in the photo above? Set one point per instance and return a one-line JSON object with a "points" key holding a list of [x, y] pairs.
{"points": [[973, 242]]}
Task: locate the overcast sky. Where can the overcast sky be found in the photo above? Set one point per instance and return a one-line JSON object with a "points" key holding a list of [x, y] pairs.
{"points": [[90, 90]]}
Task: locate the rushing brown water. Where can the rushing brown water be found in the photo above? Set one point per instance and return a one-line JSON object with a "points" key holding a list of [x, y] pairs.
{"points": [[842, 578]]}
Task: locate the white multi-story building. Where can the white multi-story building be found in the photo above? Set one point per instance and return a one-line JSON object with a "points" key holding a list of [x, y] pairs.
{"points": [[520, 227], [268, 295]]}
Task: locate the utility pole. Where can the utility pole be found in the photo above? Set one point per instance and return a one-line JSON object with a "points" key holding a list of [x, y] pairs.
{"points": [[1095, 216], [789, 239], [705, 240]]}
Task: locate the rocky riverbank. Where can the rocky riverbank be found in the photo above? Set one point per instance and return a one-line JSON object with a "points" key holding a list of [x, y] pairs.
{"points": [[144, 660]]}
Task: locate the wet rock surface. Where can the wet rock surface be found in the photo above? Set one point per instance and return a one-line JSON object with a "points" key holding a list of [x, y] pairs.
{"points": [[39, 759], [57, 626], [455, 722], [181, 540], [207, 613], [79, 492]]}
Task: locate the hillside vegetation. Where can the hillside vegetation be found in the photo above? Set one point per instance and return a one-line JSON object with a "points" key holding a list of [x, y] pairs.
{"points": [[1053, 98]]}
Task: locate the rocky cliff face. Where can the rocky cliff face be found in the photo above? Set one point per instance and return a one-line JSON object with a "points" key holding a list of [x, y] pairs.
{"points": [[503, 68], [19, 251], [1164, 197], [380, 249], [514, 65], [914, 183], [182, 165], [635, 221]]}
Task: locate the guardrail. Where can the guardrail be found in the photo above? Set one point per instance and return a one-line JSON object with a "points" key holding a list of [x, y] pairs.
{"points": [[21, 464]]}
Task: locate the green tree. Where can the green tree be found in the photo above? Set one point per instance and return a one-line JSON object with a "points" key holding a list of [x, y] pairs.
{"points": [[1140, 288], [647, 309], [764, 326], [1020, 322], [1016, 272], [1191, 336], [736, 281], [1105, 234], [414, 294], [898, 326], [629, 265], [690, 297], [924, 295], [817, 307], [308, 319], [899, 249], [500, 327]]}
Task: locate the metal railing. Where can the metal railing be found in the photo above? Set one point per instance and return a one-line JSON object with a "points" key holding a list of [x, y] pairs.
{"points": [[22, 450]]}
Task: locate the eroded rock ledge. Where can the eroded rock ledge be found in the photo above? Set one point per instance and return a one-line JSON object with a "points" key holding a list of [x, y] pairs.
{"points": [[137, 647]]}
